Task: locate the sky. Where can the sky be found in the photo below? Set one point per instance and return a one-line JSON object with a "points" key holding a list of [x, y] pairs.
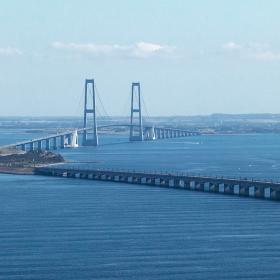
{"points": [[191, 57]]}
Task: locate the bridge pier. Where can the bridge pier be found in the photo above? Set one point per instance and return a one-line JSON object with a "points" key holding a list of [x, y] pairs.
{"points": [[48, 146], [68, 139], [252, 191], [236, 189], [246, 188], [169, 133], [75, 139], [31, 146], [54, 143], [206, 187], [39, 145], [62, 141], [150, 133], [221, 188], [267, 193]]}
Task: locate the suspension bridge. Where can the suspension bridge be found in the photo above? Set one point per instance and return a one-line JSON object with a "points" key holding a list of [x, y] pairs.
{"points": [[138, 131]]}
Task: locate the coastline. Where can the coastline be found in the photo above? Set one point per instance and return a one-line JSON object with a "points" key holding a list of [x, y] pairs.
{"points": [[17, 171]]}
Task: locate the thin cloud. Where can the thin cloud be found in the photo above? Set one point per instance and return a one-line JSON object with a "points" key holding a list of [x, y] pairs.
{"points": [[138, 50], [267, 56], [232, 46], [9, 51], [255, 51]]}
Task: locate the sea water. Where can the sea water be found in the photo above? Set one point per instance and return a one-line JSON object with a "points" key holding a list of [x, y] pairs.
{"points": [[56, 228]]}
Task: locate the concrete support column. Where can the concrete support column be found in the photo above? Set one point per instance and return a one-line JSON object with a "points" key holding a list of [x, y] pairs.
{"points": [[143, 180], [156, 133], [192, 185], [206, 187], [62, 141], [48, 146], [157, 181], [267, 193], [163, 133], [31, 146], [69, 139], [221, 188], [54, 143], [236, 189], [166, 133], [39, 144], [252, 191]]}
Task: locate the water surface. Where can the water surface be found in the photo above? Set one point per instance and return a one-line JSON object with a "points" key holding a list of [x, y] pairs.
{"points": [[55, 228]]}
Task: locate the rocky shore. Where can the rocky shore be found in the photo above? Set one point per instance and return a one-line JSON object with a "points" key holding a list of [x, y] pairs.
{"points": [[18, 162]]}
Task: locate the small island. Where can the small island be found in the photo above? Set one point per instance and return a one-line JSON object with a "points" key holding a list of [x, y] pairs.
{"points": [[14, 161]]}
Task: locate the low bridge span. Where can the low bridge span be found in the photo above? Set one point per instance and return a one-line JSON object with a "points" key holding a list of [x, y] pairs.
{"points": [[70, 138], [240, 187]]}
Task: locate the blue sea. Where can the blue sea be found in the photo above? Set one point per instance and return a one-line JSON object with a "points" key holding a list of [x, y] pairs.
{"points": [[57, 228]]}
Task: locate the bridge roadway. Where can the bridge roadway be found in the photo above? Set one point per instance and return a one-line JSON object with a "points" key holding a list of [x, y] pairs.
{"points": [[69, 138], [240, 187]]}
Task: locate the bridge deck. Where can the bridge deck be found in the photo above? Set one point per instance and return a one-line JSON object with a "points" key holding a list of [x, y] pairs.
{"points": [[243, 187], [81, 130]]}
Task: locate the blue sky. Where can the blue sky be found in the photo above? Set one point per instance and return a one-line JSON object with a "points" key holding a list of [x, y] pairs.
{"points": [[191, 57]]}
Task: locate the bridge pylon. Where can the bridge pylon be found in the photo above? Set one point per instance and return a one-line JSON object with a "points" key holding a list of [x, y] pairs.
{"points": [[136, 126], [90, 109]]}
